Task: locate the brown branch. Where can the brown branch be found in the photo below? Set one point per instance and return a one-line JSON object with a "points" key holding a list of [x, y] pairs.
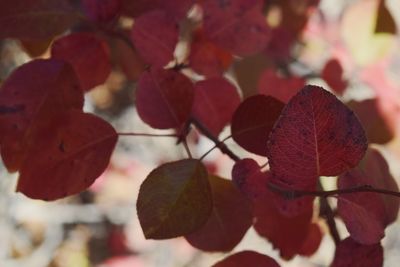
{"points": [[326, 212]]}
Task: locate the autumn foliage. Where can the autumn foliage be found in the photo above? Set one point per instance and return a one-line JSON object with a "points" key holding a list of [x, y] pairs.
{"points": [[305, 133]]}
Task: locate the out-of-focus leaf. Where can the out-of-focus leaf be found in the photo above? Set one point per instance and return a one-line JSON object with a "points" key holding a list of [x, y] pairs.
{"points": [[247, 258]]}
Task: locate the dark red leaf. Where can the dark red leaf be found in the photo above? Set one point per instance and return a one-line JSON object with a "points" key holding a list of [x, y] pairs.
{"points": [[351, 254], [88, 55], [385, 22], [206, 58], [230, 219], [164, 98], [332, 73], [283, 89], [312, 241], [236, 25], [215, 100], [174, 200], [252, 122], [39, 19], [67, 157], [155, 36], [29, 98], [367, 214], [280, 45], [247, 258], [102, 10]]}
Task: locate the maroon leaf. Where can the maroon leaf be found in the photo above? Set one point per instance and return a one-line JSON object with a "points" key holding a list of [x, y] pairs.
{"points": [[229, 23], [102, 10], [350, 253], [174, 200], [283, 89], [155, 36], [367, 214], [67, 157], [385, 22], [88, 55], [280, 45], [215, 100], [312, 241], [247, 258], [164, 98], [35, 19], [252, 122], [29, 98], [230, 218], [332, 73]]}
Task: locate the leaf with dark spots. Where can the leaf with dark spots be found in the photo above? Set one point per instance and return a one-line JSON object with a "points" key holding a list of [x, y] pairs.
{"points": [[174, 200], [226, 226], [67, 157], [253, 121]]}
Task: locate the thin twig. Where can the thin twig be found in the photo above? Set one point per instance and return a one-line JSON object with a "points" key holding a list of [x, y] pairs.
{"points": [[326, 212], [215, 146], [185, 145], [147, 134]]}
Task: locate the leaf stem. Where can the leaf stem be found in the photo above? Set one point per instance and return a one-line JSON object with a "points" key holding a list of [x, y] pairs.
{"points": [[215, 146], [147, 134]]}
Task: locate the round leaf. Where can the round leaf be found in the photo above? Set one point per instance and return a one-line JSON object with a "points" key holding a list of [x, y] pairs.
{"points": [[247, 258]]}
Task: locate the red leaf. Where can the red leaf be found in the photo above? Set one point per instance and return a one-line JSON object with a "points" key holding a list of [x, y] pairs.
{"points": [[102, 10], [280, 45], [174, 200], [283, 89], [332, 73], [35, 19], [88, 55], [252, 122], [247, 258], [315, 135], [67, 157], [312, 241], [29, 98], [164, 98], [206, 58], [155, 36], [236, 25], [230, 219], [350, 253], [367, 214], [215, 100]]}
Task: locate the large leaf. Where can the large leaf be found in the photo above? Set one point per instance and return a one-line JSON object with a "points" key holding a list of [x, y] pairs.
{"points": [[34, 19], [231, 217], [174, 200], [253, 120], [88, 55], [29, 98], [247, 258], [367, 214], [164, 98], [67, 157]]}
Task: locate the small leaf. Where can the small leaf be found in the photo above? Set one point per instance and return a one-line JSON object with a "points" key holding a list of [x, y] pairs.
{"points": [[350, 253], [385, 22], [252, 122], [67, 157], [29, 98], [88, 55], [39, 19], [164, 98], [230, 218], [215, 100], [155, 36], [332, 73], [247, 258], [174, 200]]}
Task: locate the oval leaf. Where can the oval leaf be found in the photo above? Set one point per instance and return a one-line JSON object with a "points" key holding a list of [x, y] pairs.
{"points": [[102, 10], [155, 36], [88, 55], [164, 98], [67, 156], [247, 258], [252, 122], [332, 73], [174, 200], [231, 217], [29, 98]]}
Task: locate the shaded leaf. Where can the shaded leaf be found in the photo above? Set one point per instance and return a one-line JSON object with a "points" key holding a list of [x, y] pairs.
{"points": [[174, 200], [164, 98], [88, 55], [280, 45], [102, 10], [253, 121], [332, 73], [67, 157], [385, 22], [29, 98], [36, 47], [215, 100], [367, 214], [35, 19], [155, 36], [228, 23], [350, 253], [230, 219], [247, 258]]}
